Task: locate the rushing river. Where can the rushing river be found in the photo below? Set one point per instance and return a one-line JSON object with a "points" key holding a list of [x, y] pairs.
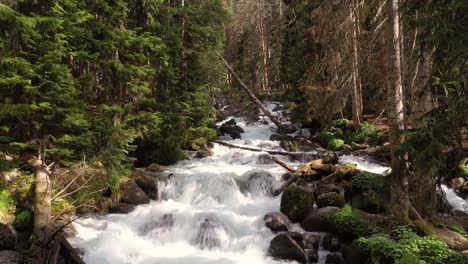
{"points": [[210, 211]]}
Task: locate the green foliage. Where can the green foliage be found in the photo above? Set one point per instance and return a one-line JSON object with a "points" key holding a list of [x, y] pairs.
{"points": [[405, 246], [335, 144], [24, 218], [366, 180], [348, 222], [7, 204], [367, 133], [459, 229]]}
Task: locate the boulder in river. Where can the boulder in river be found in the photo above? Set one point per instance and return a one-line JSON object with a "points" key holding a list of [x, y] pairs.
{"points": [[277, 221], [288, 246], [330, 199], [286, 129], [327, 188], [320, 219], [231, 128], [290, 146], [133, 194], [264, 159], [207, 237], [7, 237], [257, 182], [296, 202], [155, 168], [334, 258], [311, 246], [122, 208], [331, 242], [148, 184], [280, 137]]}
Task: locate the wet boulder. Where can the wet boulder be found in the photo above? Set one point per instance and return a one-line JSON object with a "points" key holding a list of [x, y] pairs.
{"points": [[258, 183], [334, 258], [311, 246], [288, 246], [155, 168], [230, 122], [286, 129], [235, 134], [296, 202], [264, 159], [290, 146], [159, 227], [367, 201], [331, 243], [203, 153], [330, 199], [320, 219], [133, 194], [7, 237], [231, 128], [280, 137], [122, 208], [148, 184], [327, 188], [277, 222]]}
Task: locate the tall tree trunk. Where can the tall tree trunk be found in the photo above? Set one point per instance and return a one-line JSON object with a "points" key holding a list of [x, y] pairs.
{"points": [[399, 200], [355, 94], [42, 200]]}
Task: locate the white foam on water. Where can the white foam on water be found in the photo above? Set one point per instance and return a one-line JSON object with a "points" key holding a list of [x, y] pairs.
{"points": [[365, 164], [454, 200], [209, 215]]}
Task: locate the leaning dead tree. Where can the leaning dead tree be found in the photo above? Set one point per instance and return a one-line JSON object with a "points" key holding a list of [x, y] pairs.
{"points": [[250, 93]]}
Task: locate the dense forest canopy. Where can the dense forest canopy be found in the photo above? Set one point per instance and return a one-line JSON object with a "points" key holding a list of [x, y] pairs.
{"points": [[92, 90]]}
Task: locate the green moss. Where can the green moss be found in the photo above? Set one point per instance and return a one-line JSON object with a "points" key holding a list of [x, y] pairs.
{"points": [[325, 137], [367, 133], [459, 229], [60, 205], [405, 246], [335, 144], [339, 123], [348, 222], [366, 181], [296, 202], [7, 204], [24, 218]]}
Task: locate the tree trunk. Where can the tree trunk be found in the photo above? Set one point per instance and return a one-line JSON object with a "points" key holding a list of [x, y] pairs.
{"points": [[399, 200], [42, 200], [355, 94], [250, 93]]}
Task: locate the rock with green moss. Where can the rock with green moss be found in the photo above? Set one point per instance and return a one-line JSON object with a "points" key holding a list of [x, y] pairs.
{"points": [[24, 221], [349, 223], [320, 220], [288, 246], [289, 145], [330, 199], [368, 201], [296, 202]]}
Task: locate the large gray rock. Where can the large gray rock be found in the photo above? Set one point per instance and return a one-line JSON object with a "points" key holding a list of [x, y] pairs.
{"points": [[334, 258], [286, 129], [288, 246], [311, 246], [264, 159], [327, 188], [148, 184], [330, 199], [133, 194], [331, 242], [320, 219], [277, 222], [7, 237], [296, 202], [8, 257], [280, 137], [122, 208]]}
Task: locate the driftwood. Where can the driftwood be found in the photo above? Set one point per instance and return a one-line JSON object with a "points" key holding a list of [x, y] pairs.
{"points": [[271, 152], [283, 164], [69, 253], [250, 93]]}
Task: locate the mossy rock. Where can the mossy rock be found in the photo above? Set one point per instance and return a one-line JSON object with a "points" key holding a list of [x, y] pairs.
{"points": [[349, 223], [289, 145], [366, 180], [368, 201], [330, 199], [296, 202], [24, 221], [335, 144]]}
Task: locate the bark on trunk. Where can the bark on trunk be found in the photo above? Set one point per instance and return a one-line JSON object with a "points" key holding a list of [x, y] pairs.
{"points": [[355, 94], [42, 200], [250, 93], [399, 200]]}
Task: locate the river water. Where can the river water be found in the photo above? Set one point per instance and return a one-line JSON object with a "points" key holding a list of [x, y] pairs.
{"points": [[210, 213]]}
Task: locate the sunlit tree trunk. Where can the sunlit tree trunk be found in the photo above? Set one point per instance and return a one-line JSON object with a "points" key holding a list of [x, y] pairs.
{"points": [[399, 200], [356, 93]]}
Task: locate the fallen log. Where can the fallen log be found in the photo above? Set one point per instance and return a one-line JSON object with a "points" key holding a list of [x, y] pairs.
{"points": [[250, 93], [69, 253], [283, 164], [271, 152]]}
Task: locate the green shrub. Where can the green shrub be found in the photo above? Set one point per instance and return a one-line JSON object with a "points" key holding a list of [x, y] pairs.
{"points": [[335, 144], [348, 222], [366, 181], [405, 246], [339, 123], [24, 221], [459, 229], [325, 137], [367, 133]]}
